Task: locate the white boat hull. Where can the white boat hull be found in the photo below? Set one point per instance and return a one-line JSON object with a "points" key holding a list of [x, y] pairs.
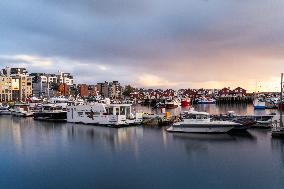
{"points": [[22, 114], [5, 113], [96, 115], [200, 129]]}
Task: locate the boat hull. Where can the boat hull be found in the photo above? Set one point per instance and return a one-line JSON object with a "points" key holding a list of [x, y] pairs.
{"points": [[185, 103], [206, 102], [20, 114], [197, 128], [259, 107], [5, 113], [171, 106], [51, 116]]}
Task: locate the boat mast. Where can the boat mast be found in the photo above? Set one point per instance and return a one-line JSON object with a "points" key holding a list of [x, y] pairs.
{"points": [[281, 103]]}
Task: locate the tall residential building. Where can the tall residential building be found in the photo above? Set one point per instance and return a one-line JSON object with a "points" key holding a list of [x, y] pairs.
{"points": [[110, 89], [5, 89], [103, 89], [65, 78], [16, 84], [48, 84], [83, 90], [115, 90], [44, 84]]}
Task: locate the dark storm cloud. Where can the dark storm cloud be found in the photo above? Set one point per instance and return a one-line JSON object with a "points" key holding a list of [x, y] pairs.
{"points": [[140, 37]]}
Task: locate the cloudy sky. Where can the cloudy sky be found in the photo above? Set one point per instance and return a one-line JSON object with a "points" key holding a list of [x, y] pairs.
{"points": [[148, 43]]}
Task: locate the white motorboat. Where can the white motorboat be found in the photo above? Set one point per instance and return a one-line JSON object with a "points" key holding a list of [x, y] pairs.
{"points": [[204, 100], [60, 101], [22, 110], [4, 110], [103, 114], [200, 122], [259, 104], [34, 102], [172, 104]]}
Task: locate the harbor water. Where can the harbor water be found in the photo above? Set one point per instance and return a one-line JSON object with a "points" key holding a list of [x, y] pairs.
{"points": [[36, 154]]}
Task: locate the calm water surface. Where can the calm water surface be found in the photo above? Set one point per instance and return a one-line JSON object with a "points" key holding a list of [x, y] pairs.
{"points": [[49, 155]]}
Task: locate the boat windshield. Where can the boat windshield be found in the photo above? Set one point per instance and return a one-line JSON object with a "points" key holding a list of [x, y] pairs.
{"points": [[52, 108], [194, 116], [119, 110]]}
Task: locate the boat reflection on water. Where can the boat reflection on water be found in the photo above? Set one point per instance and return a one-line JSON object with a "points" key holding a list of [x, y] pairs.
{"points": [[243, 135], [203, 137], [204, 142], [115, 139]]}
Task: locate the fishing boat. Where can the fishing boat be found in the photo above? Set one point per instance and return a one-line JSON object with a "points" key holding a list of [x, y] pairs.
{"points": [[22, 110], [248, 121], [185, 102], [200, 122], [259, 104], [171, 104], [206, 101], [51, 112], [115, 115], [271, 103]]}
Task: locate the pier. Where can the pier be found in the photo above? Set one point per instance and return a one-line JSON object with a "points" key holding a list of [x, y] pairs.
{"points": [[234, 100]]}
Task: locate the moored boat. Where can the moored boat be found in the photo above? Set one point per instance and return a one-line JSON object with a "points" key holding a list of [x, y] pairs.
{"points": [[4, 110], [200, 122], [21, 110], [259, 104], [51, 112], [60, 101], [171, 104], [248, 121], [115, 115], [206, 101], [185, 102]]}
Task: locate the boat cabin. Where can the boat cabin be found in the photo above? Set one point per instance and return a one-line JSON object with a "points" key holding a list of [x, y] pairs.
{"points": [[23, 107], [99, 113], [123, 109], [51, 108], [194, 115]]}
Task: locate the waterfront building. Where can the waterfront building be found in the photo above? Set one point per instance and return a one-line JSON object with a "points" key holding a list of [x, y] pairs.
{"points": [[103, 89], [83, 90], [237, 92], [92, 90], [156, 94], [225, 92], [202, 92], [169, 94], [44, 85], [65, 78], [240, 92], [16, 84], [5, 89], [115, 90], [214, 92], [63, 90], [110, 89], [47, 85]]}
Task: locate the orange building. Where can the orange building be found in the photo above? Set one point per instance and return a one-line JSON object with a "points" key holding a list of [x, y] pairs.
{"points": [[63, 89], [83, 90]]}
